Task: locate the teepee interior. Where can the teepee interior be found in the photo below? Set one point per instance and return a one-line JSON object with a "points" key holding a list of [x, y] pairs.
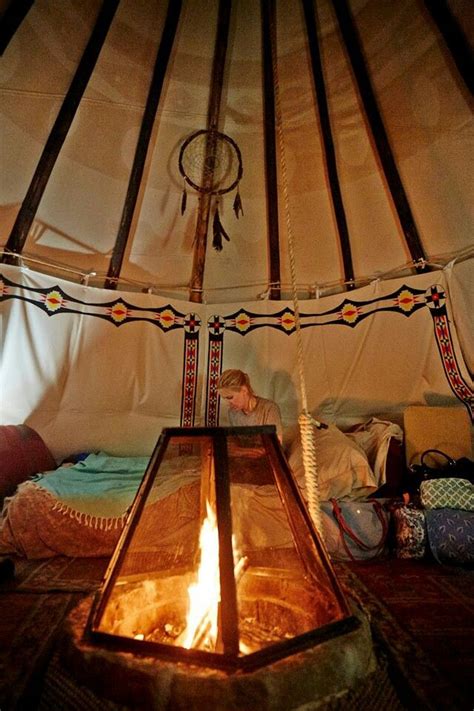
{"points": [[278, 187]]}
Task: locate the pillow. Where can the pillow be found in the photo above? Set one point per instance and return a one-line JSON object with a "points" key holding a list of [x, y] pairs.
{"points": [[22, 453], [342, 465], [375, 437]]}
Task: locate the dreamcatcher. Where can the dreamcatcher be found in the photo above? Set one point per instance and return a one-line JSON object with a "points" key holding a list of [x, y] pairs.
{"points": [[211, 163]]}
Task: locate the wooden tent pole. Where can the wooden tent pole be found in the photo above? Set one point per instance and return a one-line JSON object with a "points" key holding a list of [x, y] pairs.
{"points": [[328, 142], [269, 50], [151, 107], [217, 81], [57, 136], [455, 39], [11, 20], [392, 176]]}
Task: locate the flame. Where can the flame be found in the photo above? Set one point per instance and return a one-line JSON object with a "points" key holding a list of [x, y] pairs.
{"points": [[205, 594]]}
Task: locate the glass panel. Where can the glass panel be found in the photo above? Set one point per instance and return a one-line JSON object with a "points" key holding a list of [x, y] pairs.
{"points": [[279, 595], [149, 598], [165, 584]]}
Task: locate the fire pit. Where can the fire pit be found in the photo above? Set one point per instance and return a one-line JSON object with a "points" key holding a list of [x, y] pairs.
{"points": [[274, 606], [219, 563], [90, 676], [219, 594]]}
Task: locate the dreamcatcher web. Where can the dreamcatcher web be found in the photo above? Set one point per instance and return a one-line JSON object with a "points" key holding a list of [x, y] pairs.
{"points": [[211, 163]]}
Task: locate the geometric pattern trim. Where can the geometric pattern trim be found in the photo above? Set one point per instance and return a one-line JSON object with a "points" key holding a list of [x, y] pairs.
{"points": [[406, 301], [190, 379], [436, 302], [214, 369], [54, 301]]}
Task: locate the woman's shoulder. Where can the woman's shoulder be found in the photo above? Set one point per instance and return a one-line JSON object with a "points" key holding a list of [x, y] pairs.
{"points": [[267, 404]]}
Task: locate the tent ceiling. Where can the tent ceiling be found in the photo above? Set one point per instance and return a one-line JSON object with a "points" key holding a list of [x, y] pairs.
{"points": [[424, 104]]}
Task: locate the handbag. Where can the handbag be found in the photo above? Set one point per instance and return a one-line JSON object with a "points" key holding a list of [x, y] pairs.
{"points": [[447, 494], [462, 468], [355, 530]]}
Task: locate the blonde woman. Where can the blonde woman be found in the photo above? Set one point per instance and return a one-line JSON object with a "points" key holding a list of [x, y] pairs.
{"points": [[246, 408]]}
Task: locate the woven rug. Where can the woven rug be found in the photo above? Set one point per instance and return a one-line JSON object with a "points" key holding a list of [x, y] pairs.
{"points": [[420, 681], [35, 604]]}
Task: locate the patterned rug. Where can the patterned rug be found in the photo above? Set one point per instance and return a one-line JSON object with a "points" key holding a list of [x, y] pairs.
{"points": [[423, 616], [41, 595], [33, 607]]}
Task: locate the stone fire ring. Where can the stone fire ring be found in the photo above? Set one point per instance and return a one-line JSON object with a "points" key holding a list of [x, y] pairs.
{"points": [[307, 679]]}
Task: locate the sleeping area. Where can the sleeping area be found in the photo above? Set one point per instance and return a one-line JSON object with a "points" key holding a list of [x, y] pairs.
{"points": [[81, 506]]}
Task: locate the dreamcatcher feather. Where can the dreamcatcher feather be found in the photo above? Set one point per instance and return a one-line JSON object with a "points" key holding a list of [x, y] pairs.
{"points": [[211, 163]]}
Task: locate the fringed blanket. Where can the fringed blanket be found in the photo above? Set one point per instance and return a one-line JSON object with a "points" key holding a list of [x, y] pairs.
{"points": [[99, 488], [80, 510], [37, 525]]}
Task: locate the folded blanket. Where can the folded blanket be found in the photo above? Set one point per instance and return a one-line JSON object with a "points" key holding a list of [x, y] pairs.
{"points": [[374, 437]]}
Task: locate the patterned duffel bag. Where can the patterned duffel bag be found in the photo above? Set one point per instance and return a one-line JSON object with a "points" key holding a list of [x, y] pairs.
{"points": [[449, 493], [451, 535], [410, 535]]}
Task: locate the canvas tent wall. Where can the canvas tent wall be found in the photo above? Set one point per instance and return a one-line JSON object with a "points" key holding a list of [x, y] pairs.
{"points": [[91, 373], [86, 375]]}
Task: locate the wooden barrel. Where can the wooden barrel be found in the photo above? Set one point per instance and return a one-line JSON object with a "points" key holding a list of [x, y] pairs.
{"points": [[22, 454]]}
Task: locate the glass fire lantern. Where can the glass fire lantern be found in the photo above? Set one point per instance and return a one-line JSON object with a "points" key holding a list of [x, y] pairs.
{"points": [[219, 563]]}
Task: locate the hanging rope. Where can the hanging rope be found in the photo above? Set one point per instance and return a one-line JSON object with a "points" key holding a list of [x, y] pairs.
{"points": [[306, 421]]}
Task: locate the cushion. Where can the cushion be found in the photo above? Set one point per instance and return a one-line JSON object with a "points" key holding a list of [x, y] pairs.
{"points": [[342, 465], [22, 453], [444, 428]]}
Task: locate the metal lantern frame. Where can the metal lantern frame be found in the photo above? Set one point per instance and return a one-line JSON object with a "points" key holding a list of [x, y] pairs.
{"points": [[309, 547]]}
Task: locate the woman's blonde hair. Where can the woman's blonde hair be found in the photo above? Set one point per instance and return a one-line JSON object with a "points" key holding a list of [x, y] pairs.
{"points": [[234, 379]]}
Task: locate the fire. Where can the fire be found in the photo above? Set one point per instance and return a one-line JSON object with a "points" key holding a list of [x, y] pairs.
{"points": [[205, 594]]}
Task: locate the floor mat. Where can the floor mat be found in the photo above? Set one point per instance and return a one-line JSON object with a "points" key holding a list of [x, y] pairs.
{"points": [[408, 605], [33, 606]]}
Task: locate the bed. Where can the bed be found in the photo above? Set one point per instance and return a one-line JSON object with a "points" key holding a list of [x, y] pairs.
{"points": [[80, 508]]}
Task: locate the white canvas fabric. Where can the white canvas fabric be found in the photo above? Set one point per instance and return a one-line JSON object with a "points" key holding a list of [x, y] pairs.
{"points": [[86, 382]]}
